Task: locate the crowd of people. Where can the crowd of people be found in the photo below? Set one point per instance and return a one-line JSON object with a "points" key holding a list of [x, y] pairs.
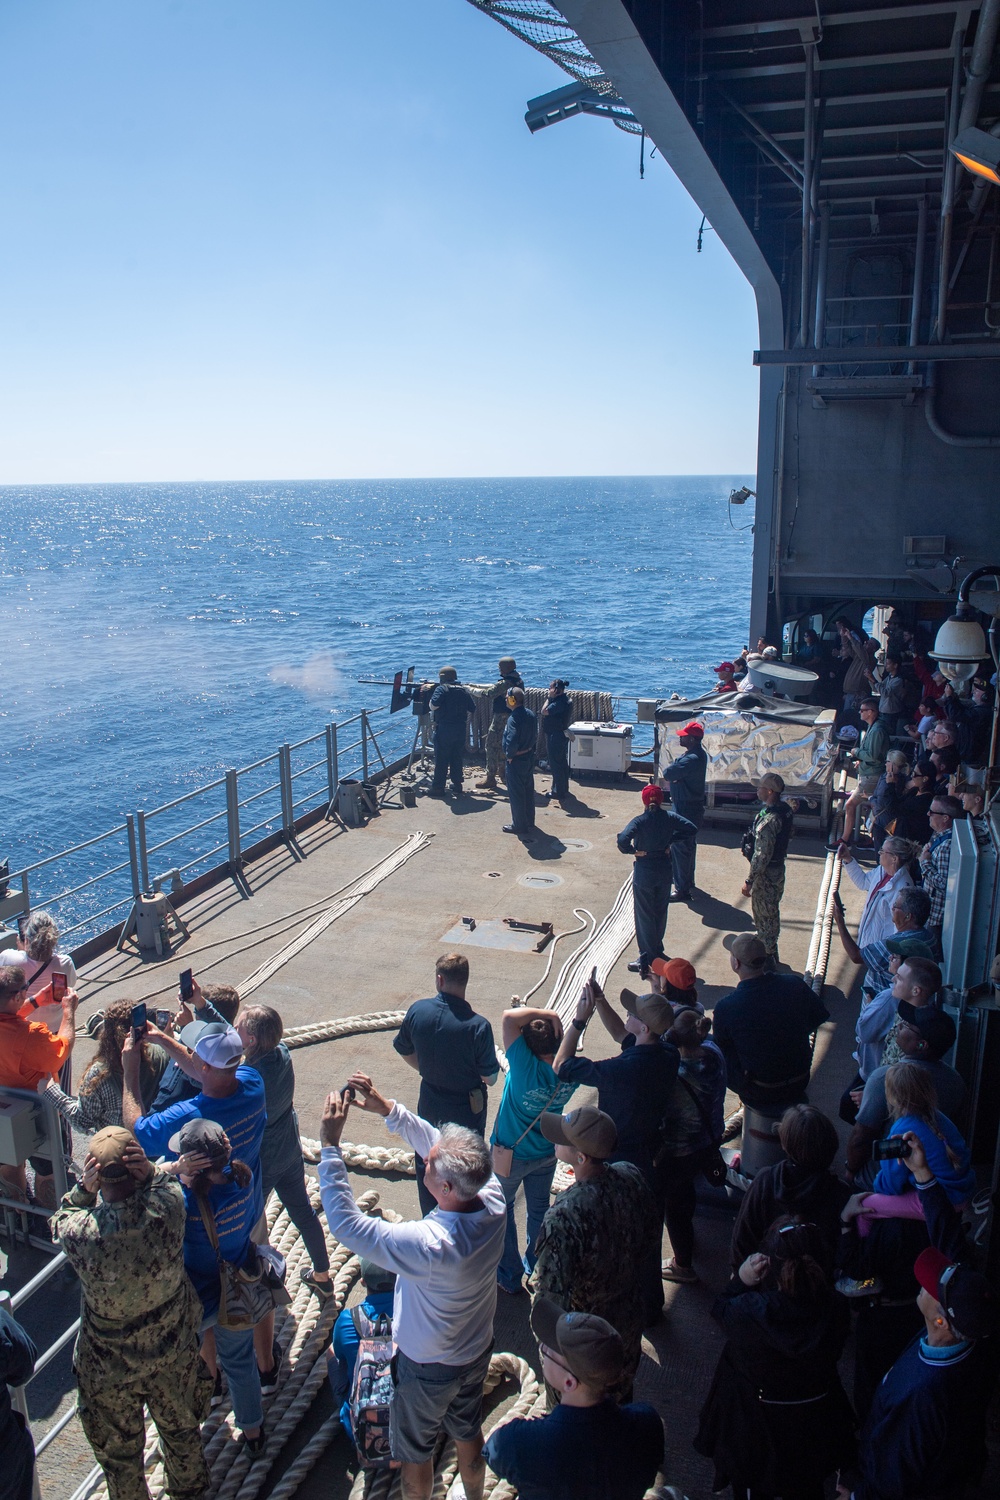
{"points": [[192, 1124]]}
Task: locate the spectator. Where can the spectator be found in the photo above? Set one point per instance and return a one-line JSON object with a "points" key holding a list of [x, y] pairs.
{"points": [[906, 801], [882, 884], [801, 1186], [945, 763], [607, 1218], [446, 1292], [944, 735], [811, 653], [30, 1053], [451, 1047], [694, 1125], [222, 1192], [908, 911], [935, 857], [726, 673], [926, 1431], [37, 941], [451, 704], [99, 1102], [972, 798], [649, 839], [531, 1040], [917, 983], [776, 1420], [520, 742], [765, 883], [924, 1039], [873, 746], [122, 1230], [685, 778], [896, 771], [893, 694], [17, 1363], [675, 979], [260, 1030], [587, 1448], [858, 673], [927, 715], [353, 1325], [972, 719], [557, 716], [209, 1005], [764, 1029], [877, 1015]]}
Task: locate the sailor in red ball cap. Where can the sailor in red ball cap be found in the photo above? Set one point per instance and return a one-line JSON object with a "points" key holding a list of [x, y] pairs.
{"points": [[726, 673], [686, 779], [651, 838]]}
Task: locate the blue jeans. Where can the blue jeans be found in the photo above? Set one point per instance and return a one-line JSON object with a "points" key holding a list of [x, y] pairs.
{"points": [[536, 1174], [293, 1195], [237, 1358]]}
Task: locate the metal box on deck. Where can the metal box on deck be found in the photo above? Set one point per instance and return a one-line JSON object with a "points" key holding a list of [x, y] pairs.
{"points": [[604, 748]]}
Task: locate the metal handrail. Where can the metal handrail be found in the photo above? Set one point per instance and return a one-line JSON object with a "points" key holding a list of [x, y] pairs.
{"points": [[73, 849], [154, 848], [166, 806]]}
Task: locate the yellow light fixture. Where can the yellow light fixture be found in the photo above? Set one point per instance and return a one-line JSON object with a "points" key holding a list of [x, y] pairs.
{"points": [[979, 152]]}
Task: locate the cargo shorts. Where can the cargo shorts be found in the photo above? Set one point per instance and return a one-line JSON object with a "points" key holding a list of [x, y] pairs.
{"points": [[430, 1398]]}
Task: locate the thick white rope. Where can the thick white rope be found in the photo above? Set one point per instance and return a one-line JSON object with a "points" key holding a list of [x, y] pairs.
{"points": [[363, 886], [601, 950], [331, 1031]]}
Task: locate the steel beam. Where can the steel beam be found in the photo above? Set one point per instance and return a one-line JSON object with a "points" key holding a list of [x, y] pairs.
{"points": [[847, 130], [887, 96], [842, 18], [836, 64], [872, 355]]}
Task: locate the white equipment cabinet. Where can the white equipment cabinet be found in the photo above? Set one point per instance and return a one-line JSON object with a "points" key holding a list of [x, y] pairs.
{"points": [[603, 748]]}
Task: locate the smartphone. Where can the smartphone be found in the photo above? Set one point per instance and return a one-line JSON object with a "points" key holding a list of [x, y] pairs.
{"points": [[892, 1148], [138, 1020], [163, 1019], [187, 984], [22, 923], [59, 986], [838, 903], [349, 1094]]}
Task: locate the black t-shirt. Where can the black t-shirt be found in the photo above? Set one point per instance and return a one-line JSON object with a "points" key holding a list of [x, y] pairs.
{"points": [[455, 1052], [763, 1028]]}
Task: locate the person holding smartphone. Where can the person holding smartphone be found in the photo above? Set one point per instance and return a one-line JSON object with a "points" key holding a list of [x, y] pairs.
{"points": [[99, 1099], [30, 1053], [49, 973]]}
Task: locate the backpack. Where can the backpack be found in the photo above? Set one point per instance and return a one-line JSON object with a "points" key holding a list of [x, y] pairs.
{"points": [[372, 1388]]}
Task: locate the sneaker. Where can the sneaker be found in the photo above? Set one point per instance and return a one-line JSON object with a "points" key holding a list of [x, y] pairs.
{"points": [[734, 1127], [255, 1445], [323, 1289], [671, 1271], [852, 1286], [269, 1381], [634, 967], [489, 785], [217, 1394], [508, 828]]}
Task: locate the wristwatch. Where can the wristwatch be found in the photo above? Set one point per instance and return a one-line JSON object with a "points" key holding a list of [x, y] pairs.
{"points": [[578, 1025]]}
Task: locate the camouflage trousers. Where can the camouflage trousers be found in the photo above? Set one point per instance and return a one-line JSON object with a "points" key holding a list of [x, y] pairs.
{"points": [[123, 1367], [496, 766], [765, 901]]}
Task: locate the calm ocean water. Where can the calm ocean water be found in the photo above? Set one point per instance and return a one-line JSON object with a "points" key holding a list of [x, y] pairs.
{"points": [[156, 634]]}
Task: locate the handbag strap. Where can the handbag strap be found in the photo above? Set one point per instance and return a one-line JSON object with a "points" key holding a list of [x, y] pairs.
{"points": [[208, 1219], [541, 1112], [702, 1111]]}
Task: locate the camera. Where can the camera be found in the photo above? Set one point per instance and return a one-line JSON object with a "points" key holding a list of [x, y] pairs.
{"points": [[893, 1148]]}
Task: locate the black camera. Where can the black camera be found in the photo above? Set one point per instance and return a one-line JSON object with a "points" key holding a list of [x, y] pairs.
{"points": [[893, 1148]]}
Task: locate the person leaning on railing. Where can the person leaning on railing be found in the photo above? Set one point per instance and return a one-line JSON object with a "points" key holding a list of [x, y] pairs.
{"points": [[30, 1053]]}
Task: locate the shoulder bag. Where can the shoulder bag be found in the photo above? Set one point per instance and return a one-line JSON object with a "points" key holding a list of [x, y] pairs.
{"points": [[714, 1168], [503, 1156], [245, 1295]]}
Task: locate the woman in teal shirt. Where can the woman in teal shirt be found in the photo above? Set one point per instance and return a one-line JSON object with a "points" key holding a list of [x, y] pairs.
{"points": [[531, 1039]]}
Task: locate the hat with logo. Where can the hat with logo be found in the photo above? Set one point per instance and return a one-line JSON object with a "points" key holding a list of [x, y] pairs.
{"points": [[693, 731], [676, 971], [652, 1010], [585, 1129], [590, 1348], [652, 794], [935, 1026], [725, 666], [219, 1045], [746, 948], [200, 1137], [108, 1149], [969, 1302], [909, 947]]}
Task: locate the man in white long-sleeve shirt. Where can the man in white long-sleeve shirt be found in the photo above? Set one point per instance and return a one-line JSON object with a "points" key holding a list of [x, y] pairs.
{"points": [[446, 1283]]}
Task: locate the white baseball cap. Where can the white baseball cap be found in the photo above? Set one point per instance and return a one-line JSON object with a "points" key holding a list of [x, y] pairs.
{"points": [[219, 1045]]}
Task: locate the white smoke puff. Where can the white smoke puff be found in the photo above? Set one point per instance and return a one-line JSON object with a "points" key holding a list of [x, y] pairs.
{"points": [[318, 677]]}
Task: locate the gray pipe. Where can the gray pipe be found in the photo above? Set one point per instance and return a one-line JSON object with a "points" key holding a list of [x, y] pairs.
{"points": [[948, 178], [822, 261], [919, 256], [980, 63], [953, 439], [807, 177]]}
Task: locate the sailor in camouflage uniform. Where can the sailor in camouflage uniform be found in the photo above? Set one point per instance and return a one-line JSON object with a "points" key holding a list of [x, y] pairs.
{"points": [[765, 883], [138, 1340], [597, 1232], [510, 677]]}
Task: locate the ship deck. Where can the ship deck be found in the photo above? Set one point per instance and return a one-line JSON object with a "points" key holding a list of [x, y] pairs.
{"points": [[381, 955]]}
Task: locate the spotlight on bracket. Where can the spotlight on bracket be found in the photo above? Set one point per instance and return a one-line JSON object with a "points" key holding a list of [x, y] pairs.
{"points": [[979, 152]]}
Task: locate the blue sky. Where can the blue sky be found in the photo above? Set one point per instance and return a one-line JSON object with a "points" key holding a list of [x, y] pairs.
{"points": [[314, 239]]}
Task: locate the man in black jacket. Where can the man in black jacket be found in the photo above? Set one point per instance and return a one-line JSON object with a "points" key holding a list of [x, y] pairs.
{"points": [[685, 778], [765, 1029], [452, 704]]}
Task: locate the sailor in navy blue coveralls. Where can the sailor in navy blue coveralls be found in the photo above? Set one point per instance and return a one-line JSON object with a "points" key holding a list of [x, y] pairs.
{"points": [[685, 778], [557, 715], [650, 838], [520, 737], [452, 705]]}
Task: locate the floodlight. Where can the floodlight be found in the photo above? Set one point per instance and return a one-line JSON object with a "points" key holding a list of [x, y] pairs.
{"points": [[978, 151]]}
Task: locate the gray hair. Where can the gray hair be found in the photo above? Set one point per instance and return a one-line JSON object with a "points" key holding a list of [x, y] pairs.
{"points": [[463, 1159], [900, 848], [40, 936]]}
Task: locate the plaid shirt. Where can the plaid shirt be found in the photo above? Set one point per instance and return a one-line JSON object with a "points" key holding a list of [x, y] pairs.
{"points": [[934, 875]]}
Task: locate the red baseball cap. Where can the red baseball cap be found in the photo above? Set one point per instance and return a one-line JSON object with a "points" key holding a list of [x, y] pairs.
{"points": [[725, 666], [651, 793], [694, 729]]}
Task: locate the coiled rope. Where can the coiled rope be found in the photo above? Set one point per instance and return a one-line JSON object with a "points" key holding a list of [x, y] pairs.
{"points": [[601, 950]]}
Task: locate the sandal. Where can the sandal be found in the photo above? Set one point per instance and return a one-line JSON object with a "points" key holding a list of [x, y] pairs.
{"points": [[671, 1271]]}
